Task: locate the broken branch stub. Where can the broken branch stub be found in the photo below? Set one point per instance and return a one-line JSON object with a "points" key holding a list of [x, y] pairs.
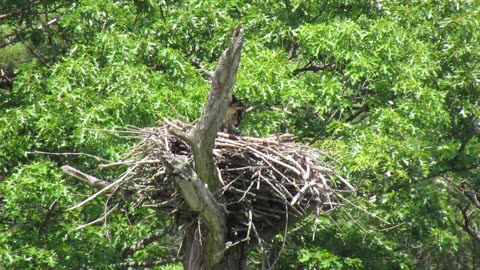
{"points": [[201, 140], [204, 134]]}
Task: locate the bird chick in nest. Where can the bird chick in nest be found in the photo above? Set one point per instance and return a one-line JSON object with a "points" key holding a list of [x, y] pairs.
{"points": [[233, 116]]}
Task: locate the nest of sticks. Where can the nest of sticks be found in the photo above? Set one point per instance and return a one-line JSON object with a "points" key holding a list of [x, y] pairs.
{"points": [[266, 181]]}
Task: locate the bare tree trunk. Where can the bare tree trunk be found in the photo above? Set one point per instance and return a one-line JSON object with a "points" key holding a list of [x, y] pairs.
{"points": [[204, 241], [235, 258]]}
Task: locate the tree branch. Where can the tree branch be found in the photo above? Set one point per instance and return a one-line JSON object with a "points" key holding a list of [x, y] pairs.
{"points": [[313, 67], [19, 10], [466, 224], [198, 187], [154, 237], [203, 135], [85, 178], [472, 196], [144, 265], [11, 38], [33, 51], [202, 201], [93, 181]]}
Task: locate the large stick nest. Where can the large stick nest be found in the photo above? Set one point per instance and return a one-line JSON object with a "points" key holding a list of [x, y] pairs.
{"points": [[266, 181]]}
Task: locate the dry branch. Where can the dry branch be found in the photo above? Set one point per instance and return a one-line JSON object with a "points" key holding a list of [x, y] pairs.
{"points": [[260, 176], [211, 180], [203, 135], [86, 178]]}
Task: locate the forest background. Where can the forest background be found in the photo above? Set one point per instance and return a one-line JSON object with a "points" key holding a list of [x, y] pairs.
{"points": [[390, 89]]}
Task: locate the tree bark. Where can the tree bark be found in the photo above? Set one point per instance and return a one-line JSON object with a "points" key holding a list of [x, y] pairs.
{"points": [[204, 134], [200, 200], [204, 243]]}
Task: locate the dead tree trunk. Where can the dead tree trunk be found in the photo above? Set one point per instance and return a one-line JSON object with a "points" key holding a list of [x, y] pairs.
{"points": [[204, 241], [268, 184]]}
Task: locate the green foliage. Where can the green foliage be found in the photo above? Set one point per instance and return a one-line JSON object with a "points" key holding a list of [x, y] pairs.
{"points": [[42, 234], [315, 258], [37, 224], [389, 88], [13, 55]]}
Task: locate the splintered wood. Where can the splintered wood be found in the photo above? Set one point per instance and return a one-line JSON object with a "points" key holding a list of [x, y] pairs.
{"points": [[266, 181]]}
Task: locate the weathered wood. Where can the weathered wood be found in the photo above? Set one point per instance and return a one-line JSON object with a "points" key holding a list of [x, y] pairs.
{"points": [[201, 140], [198, 186], [93, 181], [85, 178], [204, 134], [200, 200]]}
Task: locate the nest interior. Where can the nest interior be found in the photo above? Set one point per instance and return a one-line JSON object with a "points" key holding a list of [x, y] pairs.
{"points": [[266, 181]]}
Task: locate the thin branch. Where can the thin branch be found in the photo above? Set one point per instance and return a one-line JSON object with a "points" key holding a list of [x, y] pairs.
{"points": [[361, 208], [466, 224], [67, 154], [391, 227], [19, 10], [144, 265], [11, 39], [101, 218], [106, 188], [314, 67], [85, 178], [33, 51], [16, 36], [5, 76], [47, 217], [144, 242]]}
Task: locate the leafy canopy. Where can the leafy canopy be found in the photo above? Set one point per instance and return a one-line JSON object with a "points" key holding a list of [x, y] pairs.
{"points": [[389, 88]]}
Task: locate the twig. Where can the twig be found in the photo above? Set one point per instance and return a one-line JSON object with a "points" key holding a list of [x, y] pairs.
{"points": [[67, 154], [106, 188], [101, 218], [391, 227], [16, 36], [267, 174], [361, 208], [129, 162]]}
